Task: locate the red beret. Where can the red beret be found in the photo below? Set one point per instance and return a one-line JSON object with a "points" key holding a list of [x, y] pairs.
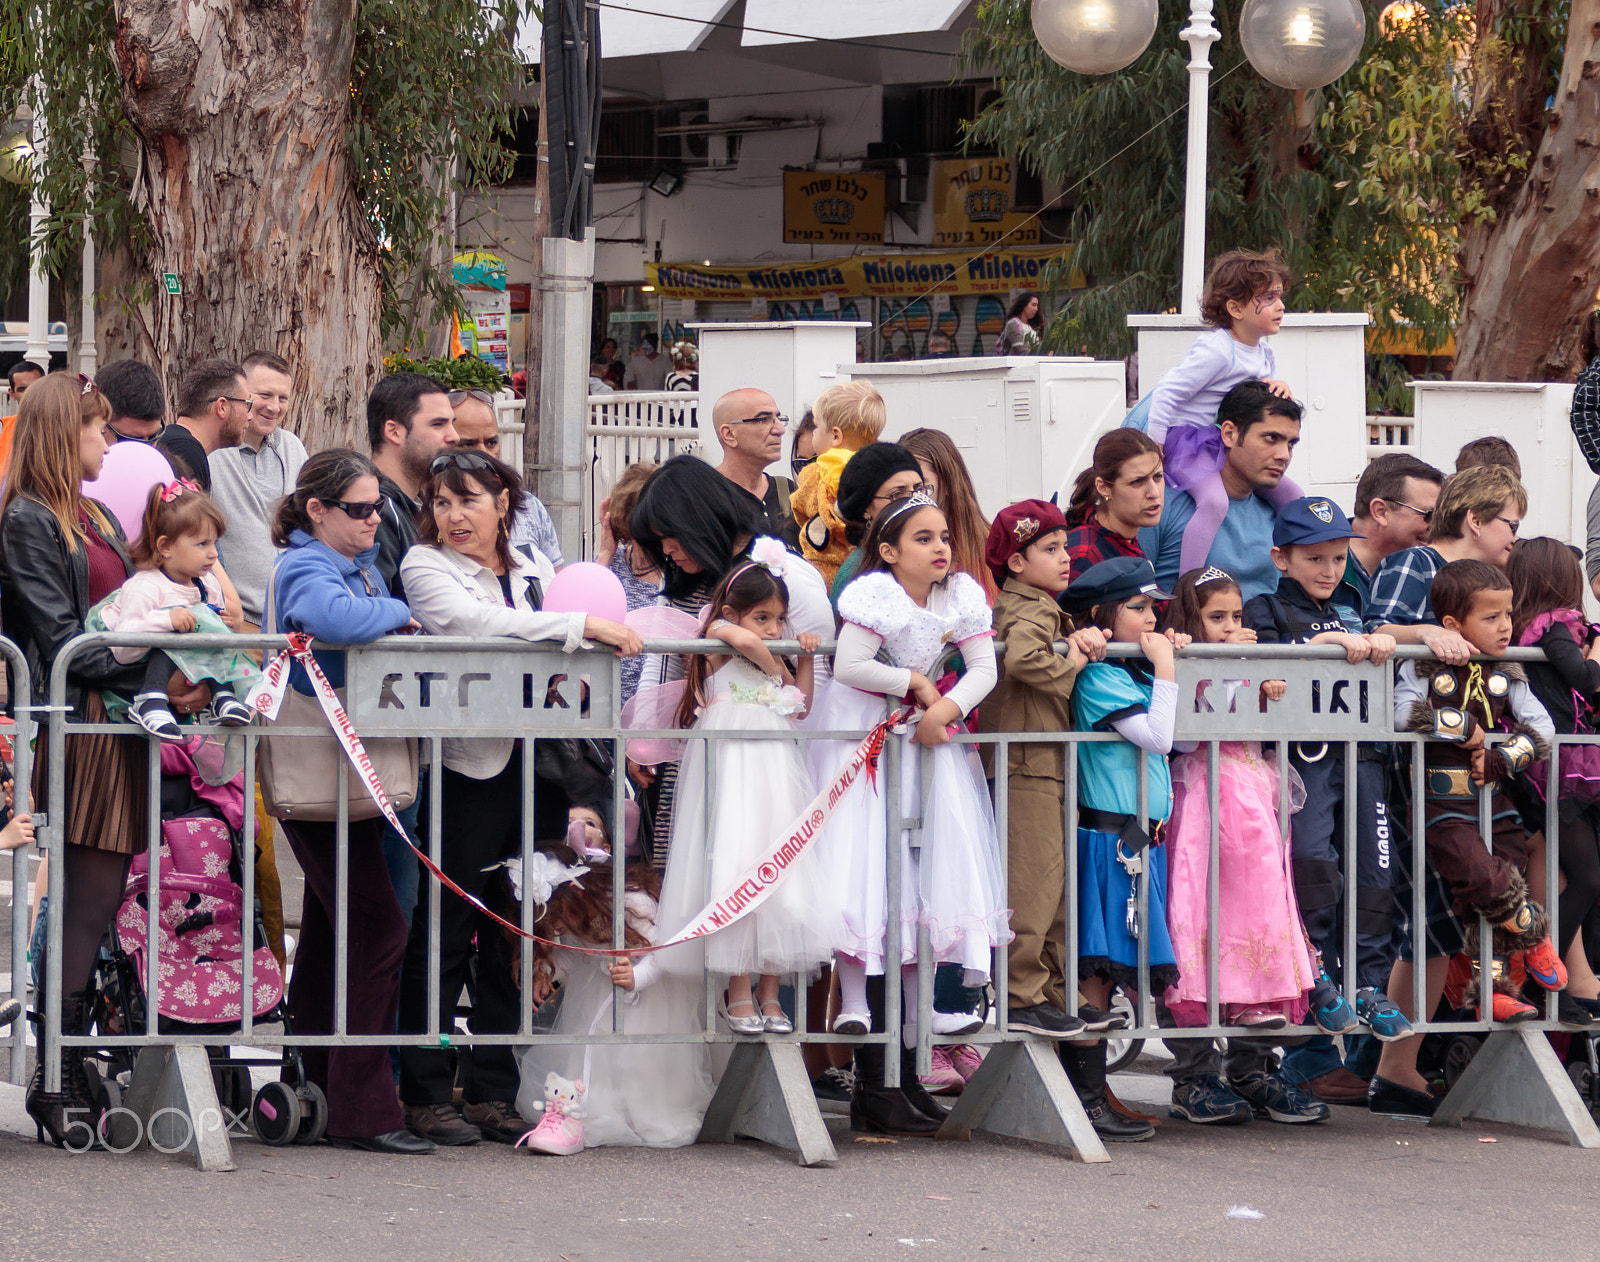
{"points": [[1015, 528]]}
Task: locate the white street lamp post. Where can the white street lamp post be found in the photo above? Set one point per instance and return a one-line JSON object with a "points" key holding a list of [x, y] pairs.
{"points": [[38, 348], [1200, 34], [1296, 44]]}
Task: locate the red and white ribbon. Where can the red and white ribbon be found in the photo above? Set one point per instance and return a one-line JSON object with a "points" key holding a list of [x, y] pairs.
{"points": [[747, 892]]}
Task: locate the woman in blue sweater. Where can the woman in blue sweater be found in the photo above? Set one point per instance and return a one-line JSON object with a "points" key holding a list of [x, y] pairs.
{"points": [[327, 586]]}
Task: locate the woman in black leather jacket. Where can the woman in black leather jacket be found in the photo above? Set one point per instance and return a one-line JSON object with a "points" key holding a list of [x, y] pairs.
{"points": [[61, 553]]}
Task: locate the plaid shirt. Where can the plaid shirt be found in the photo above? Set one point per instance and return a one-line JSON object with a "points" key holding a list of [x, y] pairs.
{"points": [[1400, 589], [1091, 543]]}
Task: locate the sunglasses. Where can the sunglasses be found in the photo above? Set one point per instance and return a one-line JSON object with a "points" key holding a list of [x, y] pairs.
{"points": [[466, 461], [360, 510], [457, 397], [1425, 513]]}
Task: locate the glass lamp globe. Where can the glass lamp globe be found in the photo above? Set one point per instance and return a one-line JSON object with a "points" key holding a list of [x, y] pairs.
{"points": [[1302, 44], [1094, 36], [16, 156]]}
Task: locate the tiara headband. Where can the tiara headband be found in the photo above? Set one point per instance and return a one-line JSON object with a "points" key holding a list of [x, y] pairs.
{"points": [[917, 499], [1213, 575]]}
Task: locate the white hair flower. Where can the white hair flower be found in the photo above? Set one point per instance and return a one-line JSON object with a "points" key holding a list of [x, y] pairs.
{"points": [[771, 555]]}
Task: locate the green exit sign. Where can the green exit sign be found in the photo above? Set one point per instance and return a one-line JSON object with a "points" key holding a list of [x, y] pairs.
{"points": [[174, 285]]}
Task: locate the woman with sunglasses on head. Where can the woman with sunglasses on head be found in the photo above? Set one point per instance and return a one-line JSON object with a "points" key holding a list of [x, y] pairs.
{"points": [[60, 554], [464, 577], [327, 585]]}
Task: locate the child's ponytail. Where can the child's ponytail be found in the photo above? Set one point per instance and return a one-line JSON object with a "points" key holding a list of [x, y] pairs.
{"points": [[172, 510]]}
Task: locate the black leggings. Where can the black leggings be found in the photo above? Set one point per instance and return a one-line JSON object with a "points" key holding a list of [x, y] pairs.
{"points": [[94, 883], [1580, 860]]}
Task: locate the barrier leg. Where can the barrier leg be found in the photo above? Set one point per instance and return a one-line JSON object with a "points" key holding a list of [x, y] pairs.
{"points": [[1022, 1091], [175, 1099], [766, 1094], [1517, 1078]]}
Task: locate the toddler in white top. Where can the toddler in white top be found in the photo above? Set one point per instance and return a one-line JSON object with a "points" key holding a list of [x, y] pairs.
{"points": [[1244, 300], [175, 589]]}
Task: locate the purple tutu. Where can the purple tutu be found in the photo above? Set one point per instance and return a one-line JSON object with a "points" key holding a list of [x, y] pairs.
{"points": [[1191, 454]]}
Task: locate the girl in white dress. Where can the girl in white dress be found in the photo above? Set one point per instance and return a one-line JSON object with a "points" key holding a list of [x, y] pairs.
{"points": [[653, 1095], [729, 814], [904, 616]]}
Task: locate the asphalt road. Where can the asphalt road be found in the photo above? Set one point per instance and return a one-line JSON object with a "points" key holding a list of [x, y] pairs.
{"points": [[1358, 1186]]}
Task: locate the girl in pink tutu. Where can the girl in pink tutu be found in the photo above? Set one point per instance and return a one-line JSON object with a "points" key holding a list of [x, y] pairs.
{"points": [[1264, 966], [1243, 301]]}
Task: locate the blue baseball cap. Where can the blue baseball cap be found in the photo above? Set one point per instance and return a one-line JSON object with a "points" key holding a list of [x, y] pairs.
{"points": [[1120, 578], [1311, 519]]}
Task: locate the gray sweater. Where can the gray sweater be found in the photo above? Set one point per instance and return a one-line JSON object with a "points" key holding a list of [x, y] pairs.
{"points": [[247, 485]]}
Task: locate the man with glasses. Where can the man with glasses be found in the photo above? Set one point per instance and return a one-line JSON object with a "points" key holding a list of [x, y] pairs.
{"points": [[750, 429], [213, 404], [138, 403], [409, 422], [251, 476], [1393, 511], [478, 429]]}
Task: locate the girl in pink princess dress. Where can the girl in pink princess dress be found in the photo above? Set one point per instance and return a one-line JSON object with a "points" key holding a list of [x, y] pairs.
{"points": [[1264, 966]]}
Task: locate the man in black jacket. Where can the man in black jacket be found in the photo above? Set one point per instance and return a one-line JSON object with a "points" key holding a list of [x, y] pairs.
{"points": [[409, 422]]}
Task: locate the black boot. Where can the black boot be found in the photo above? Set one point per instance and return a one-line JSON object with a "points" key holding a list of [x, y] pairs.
{"points": [[1086, 1067], [885, 1110], [69, 1116]]}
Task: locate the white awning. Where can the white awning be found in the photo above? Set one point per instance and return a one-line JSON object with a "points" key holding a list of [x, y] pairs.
{"points": [[679, 26], [624, 34], [844, 19]]}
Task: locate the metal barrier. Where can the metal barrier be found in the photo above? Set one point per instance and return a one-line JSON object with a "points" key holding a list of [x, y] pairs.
{"points": [[21, 685], [436, 687]]}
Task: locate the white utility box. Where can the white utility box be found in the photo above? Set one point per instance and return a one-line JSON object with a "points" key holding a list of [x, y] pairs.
{"points": [[1533, 415], [793, 361], [1025, 424]]}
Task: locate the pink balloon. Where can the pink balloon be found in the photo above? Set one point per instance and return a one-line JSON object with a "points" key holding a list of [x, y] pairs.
{"points": [[129, 471], [587, 588]]}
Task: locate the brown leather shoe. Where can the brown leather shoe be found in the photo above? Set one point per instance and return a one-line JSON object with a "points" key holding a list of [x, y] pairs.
{"points": [[1338, 1086], [498, 1120], [441, 1124]]}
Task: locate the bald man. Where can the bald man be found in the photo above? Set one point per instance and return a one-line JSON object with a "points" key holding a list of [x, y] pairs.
{"points": [[750, 429]]}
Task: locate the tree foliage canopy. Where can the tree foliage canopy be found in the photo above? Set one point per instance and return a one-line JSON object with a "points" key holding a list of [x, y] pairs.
{"points": [[430, 87], [1365, 186]]}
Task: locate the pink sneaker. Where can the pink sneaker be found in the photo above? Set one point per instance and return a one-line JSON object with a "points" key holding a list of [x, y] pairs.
{"points": [[966, 1060], [943, 1077], [556, 1134]]}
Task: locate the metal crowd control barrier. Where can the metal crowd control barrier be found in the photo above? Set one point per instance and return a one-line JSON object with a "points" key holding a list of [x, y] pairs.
{"points": [[435, 687], [21, 685]]}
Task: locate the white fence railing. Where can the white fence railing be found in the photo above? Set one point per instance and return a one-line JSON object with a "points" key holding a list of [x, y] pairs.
{"points": [[626, 427]]}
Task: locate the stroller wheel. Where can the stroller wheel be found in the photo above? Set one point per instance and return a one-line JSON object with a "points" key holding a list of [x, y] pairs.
{"points": [[313, 1114], [276, 1114]]}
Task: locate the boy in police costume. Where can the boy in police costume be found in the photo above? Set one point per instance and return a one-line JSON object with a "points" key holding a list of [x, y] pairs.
{"points": [[1310, 548], [1027, 555]]}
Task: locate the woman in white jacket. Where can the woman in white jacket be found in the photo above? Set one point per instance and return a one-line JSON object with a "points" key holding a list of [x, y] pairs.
{"points": [[463, 578]]}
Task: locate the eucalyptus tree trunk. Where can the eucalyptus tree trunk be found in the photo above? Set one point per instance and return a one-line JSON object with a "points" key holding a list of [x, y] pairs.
{"points": [[241, 109], [1531, 274]]}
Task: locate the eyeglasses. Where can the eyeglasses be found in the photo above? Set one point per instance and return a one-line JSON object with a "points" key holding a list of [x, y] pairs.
{"points": [[772, 420], [249, 404], [457, 397], [883, 497], [1515, 525], [87, 385], [1425, 513], [360, 510], [466, 461]]}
